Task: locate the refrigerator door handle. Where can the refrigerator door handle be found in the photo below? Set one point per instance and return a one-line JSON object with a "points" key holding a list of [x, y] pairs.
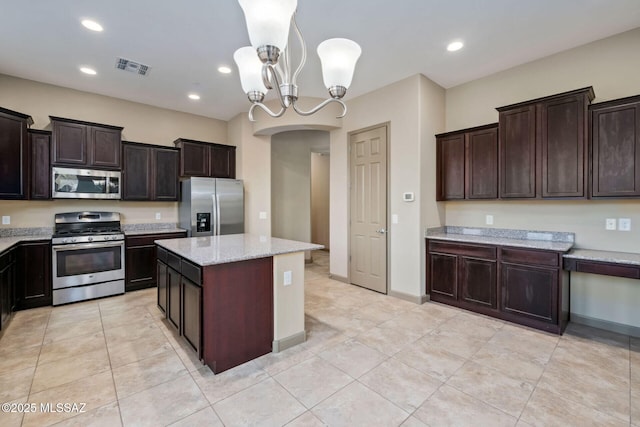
{"points": [[218, 219], [214, 220]]}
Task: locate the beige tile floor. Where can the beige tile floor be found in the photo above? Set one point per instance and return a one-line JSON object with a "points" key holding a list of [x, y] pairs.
{"points": [[370, 360]]}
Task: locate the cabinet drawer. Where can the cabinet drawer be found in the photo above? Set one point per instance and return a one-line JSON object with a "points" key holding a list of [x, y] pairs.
{"points": [[191, 272], [526, 256], [173, 261], [139, 241], [162, 254], [486, 252]]}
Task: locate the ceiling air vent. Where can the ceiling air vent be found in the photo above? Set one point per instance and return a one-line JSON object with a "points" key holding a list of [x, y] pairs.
{"points": [[132, 66]]}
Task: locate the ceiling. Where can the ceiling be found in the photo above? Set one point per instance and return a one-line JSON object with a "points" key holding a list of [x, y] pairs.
{"points": [[184, 42]]}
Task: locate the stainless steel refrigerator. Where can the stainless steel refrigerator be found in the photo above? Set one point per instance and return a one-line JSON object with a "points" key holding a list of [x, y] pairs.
{"points": [[211, 206]]}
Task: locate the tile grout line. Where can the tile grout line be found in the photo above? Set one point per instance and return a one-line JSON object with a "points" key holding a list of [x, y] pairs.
{"points": [[113, 380], [36, 366]]}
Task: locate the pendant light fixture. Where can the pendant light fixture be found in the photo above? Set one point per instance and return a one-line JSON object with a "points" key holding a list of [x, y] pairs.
{"points": [[266, 64]]}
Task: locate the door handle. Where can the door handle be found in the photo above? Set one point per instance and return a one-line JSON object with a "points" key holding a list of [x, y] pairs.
{"points": [[381, 231]]}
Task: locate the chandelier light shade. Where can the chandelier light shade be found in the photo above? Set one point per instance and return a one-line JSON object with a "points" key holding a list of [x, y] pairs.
{"points": [[338, 57], [266, 64], [250, 70], [268, 21]]}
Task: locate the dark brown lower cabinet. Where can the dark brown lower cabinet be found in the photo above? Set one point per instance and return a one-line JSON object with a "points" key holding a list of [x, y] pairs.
{"points": [[525, 286], [34, 270], [161, 269], [224, 311], [463, 275], [140, 259], [174, 311], [7, 284], [191, 313]]}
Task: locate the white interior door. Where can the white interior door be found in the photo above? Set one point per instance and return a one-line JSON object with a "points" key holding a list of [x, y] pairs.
{"points": [[368, 195]]}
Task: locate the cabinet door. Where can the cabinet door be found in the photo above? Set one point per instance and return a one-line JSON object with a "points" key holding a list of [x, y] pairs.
{"points": [[562, 141], [616, 150], [166, 174], [194, 159], [443, 277], [191, 313], [69, 144], [482, 164], [136, 172], [40, 154], [105, 147], [450, 167], [162, 285], [140, 267], [34, 271], [173, 294], [7, 276], [529, 292], [517, 151], [478, 283], [223, 162], [13, 157]]}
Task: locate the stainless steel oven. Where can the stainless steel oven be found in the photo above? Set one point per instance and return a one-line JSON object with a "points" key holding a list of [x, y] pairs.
{"points": [[88, 256]]}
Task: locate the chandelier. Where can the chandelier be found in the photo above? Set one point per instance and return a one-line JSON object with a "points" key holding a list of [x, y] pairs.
{"points": [[266, 64]]}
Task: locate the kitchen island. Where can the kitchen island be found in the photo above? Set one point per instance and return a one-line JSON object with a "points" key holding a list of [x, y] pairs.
{"points": [[233, 297]]}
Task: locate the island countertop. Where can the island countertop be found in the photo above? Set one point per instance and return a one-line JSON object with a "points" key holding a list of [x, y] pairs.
{"points": [[213, 250]]}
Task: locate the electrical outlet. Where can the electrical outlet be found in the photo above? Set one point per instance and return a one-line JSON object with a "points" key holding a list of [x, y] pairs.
{"points": [[610, 224], [6, 220], [287, 278], [158, 215], [624, 224], [489, 220], [262, 215]]}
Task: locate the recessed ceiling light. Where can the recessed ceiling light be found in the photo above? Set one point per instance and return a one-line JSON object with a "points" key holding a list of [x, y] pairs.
{"points": [[453, 46], [88, 70], [194, 96], [224, 70], [92, 25]]}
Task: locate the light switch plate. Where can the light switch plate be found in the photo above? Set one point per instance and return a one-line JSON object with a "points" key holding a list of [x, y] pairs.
{"points": [[610, 224], [158, 215], [262, 215], [287, 278], [6, 220], [489, 220], [624, 224], [394, 219]]}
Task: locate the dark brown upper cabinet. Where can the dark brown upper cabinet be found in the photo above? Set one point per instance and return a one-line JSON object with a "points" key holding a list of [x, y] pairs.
{"points": [[615, 143], [543, 148], [85, 144], [199, 158], [40, 164], [467, 164], [14, 158], [149, 172]]}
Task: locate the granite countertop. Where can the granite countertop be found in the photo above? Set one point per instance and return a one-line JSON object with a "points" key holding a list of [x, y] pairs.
{"points": [[8, 242], [547, 240], [604, 256], [157, 231], [213, 250]]}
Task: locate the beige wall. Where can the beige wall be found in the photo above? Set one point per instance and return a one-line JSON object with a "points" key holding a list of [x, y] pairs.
{"points": [[142, 123], [253, 166], [320, 163], [611, 66], [400, 105]]}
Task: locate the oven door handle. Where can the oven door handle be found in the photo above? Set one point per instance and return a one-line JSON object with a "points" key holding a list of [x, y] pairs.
{"points": [[86, 246]]}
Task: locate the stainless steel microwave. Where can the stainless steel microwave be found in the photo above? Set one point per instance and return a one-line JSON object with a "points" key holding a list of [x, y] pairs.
{"points": [[70, 183]]}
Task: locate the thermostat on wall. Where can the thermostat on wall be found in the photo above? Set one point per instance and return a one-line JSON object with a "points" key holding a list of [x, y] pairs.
{"points": [[408, 197]]}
